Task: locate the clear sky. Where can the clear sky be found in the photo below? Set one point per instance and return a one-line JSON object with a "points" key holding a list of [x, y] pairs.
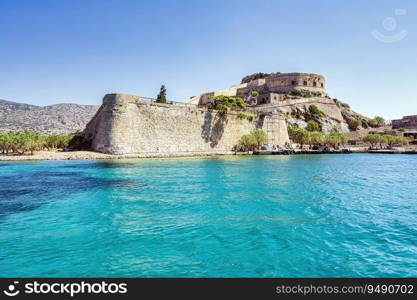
{"points": [[78, 50]]}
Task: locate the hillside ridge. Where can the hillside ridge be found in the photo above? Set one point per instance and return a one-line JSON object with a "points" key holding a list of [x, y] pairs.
{"points": [[61, 118]]}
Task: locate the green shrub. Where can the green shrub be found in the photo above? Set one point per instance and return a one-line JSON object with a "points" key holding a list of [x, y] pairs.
{"points": [[253, 141], [400, 140], [377, 122], [313, 126], [393, 140], [372, 139], [245, 116], [372, 123], [315, 113], [380, 121], [365, 124], [222, 102], [354, 124], [247, 142], [298, 135], [305, 93], [381, 140], [261, 137], [375, 139], [315, 138], [336, 139]]}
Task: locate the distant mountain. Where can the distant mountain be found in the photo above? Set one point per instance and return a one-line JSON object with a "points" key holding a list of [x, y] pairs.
{"points": [[62, 118]]}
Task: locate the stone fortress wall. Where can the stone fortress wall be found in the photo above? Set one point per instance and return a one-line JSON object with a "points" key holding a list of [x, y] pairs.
{"points": [[126, 125]]}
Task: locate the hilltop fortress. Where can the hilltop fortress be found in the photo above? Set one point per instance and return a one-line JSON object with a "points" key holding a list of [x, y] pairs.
{"points": [[129, 124], [271, 88]]}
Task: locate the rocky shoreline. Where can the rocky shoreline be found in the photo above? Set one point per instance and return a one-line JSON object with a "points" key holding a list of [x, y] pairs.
{"points": [[90, 155]]}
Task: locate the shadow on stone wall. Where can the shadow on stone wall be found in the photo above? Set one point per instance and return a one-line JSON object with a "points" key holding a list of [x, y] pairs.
{"points": [[260, 122], [206, 128], [213, 132], [218, 129]]}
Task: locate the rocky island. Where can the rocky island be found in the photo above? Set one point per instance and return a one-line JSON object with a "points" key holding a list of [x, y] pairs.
{"points": [[286, 111], [129, 124]]}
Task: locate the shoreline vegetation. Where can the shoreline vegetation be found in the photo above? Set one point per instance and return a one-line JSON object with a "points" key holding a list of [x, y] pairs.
{"points": [[22, 142], [32, 146]]}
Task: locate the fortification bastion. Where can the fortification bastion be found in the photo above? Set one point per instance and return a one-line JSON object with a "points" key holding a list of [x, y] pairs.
{"points": [[125, 124]]}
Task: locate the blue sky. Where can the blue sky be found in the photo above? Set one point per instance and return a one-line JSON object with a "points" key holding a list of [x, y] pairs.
{"points": [[77, 51]]}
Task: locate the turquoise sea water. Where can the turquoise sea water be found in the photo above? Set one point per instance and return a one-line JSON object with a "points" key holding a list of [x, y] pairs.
{"points": [[270, 216]]}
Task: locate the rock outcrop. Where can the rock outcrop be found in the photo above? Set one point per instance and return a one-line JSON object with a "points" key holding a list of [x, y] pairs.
{"points": [[297, 110]]}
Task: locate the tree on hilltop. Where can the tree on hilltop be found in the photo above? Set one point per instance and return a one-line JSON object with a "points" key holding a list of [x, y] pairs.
{"points": [[162, 96], [380, 121], [377, 122]]}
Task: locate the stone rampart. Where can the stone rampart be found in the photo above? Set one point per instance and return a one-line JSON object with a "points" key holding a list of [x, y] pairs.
{"points": [[125, 125]]}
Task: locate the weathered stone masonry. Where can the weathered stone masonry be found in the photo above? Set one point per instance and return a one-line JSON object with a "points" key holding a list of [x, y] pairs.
{"points": [[408, 122], [125, 125], [270, 87]]}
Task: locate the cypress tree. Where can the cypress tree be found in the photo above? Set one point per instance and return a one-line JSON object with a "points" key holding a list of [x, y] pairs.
{"points": [[162, 96]]}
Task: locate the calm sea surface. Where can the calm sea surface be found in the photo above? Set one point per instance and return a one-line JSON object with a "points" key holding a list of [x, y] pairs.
{"points": [[270, 216]]}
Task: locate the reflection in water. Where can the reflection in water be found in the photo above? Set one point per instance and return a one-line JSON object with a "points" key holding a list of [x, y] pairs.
{"points": [[28, 190], [101, 164]]}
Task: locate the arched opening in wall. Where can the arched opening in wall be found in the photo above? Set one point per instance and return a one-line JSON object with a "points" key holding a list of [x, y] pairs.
{"points": [[322, 85], [314, 83], [305, 82], [293, 82]]}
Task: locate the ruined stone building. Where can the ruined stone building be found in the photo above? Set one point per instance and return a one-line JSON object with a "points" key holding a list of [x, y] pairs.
{"points": [[408, 122], [270, 88]]}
